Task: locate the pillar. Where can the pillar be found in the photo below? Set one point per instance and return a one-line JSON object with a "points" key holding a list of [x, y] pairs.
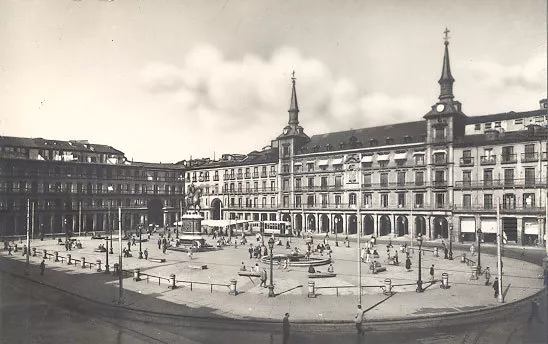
{"points": [[51, 229], [94, 224], [131, 222], [519, 224]]}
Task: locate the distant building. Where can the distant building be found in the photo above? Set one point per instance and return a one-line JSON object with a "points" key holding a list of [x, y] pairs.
{"points": [[77, 186], [442, 174]]}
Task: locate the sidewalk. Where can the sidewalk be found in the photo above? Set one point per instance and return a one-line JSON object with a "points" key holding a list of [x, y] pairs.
{"points": [[520, 281]]}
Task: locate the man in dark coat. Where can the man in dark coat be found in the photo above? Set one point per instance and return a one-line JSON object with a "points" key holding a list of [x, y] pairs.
{"points": [[496, 286], [285, 328]]}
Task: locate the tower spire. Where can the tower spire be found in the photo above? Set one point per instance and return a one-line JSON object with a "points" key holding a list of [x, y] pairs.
{"points": [[446, 81], [294, 106]]}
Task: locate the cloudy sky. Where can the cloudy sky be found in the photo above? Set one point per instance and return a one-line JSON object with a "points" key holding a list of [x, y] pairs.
{"points": [[163, 80]]}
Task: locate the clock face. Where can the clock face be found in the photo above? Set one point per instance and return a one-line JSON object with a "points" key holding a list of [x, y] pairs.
{"points": [[440, 107]]}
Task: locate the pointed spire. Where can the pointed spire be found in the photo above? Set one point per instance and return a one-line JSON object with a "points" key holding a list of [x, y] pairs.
{"points": [[294, 106], [446, 81]]}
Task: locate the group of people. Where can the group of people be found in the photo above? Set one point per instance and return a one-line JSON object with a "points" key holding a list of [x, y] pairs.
{"points": [[257, 251]]}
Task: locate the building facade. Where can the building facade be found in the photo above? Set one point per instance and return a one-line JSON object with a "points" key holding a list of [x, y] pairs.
{"points": [[442, 175], [75, 186]]}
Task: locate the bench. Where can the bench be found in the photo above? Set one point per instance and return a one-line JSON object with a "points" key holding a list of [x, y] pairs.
{"points": [[157, 260], [322, 275], [198, 267]]}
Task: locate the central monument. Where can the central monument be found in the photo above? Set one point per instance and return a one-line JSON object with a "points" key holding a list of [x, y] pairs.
{"points": [[192, 220]]}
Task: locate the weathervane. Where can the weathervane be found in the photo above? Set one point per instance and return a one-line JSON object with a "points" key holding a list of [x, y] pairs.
{"points": [[446, 37], [293, 75]]}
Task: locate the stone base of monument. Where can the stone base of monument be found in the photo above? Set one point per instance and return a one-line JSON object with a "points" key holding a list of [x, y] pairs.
{"points": [[192, 223]]}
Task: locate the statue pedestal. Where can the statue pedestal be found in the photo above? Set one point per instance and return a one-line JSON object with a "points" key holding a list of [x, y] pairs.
{"points": [[192, 223]]}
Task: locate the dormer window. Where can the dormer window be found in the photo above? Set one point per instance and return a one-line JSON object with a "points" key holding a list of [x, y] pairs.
{"points": [[407, 139], [373, 142], [389, 141], [341, 145], [328, 147]]}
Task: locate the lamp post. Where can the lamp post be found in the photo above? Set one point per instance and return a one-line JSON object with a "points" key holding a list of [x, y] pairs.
{"points": [[106, 257], [336, 231], [110, 189], [419, 281], [140, 250], [479, 248], [271, 286], [450, 241]]}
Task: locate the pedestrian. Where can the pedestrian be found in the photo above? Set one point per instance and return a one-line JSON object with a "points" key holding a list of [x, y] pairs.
{"points": [[285, 328], [128, 245], [9, 251], [408, 264], [445, 252], [432, 273], [159, 243], [535, 311], [164, 248], [250, 250], [359, 319], [496, 286], [190, 253], [133, 241], [487, 274], [42, 267], [472, 250], [396, 261], [263, 278], [146, 254]]}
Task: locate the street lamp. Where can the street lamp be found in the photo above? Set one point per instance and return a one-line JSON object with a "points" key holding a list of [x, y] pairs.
{"points": [[106, 256], [110, 189], [271, 286], [140, 251], [479, 249], [450, 241], [419, 281], [336, 231]]}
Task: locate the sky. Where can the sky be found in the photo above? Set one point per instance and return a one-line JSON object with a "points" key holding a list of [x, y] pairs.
{"points": [[167, 80]]}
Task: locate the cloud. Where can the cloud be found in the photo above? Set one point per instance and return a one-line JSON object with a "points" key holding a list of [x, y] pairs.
{"points": [[250, 96]]}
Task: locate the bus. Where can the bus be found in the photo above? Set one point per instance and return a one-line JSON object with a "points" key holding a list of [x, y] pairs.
{"points": [[279, 228]]}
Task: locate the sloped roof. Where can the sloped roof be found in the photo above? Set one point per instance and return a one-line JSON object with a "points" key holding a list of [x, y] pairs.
{"points": [[253, 158], [505, 116], [17, 142], [414, 131], [41, 143]]}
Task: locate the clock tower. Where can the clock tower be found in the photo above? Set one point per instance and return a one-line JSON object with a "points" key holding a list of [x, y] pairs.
{"points": [[445, 120]]}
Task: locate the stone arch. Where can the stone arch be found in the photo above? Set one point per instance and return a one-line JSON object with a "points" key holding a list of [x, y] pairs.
{"points": [[384, 225], [420, 226], [298, 225], [155, 213], [311, 223], [401, 226], [216, 205], [338, 224], [369, 225], [286, 217], [324, 223], [441, 228], [352, 224]]}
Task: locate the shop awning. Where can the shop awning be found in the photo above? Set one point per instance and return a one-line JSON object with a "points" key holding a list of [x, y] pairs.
{"points": [[489, 225], [400, 156], [323, 162], [531, 227], [418, 153], [385, 157], [468, 225], [337, 161], [297, 164], [439, 151], [367, 158]]}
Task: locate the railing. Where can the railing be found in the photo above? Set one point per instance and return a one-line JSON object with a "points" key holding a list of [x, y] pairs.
{"points": [[488, 160], [466, 161], [505, 208], [263, 174], [529, 157], [508, 158], [272, 174], [501, 183]]}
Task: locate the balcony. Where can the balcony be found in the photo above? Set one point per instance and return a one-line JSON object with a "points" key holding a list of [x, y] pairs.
{"points": [[216, 178], [263, 174], [440, 161], [439, 183], [247, 175], [239, 175], [272, 174], [255, 175], [509, 183], [508, 158], [529, 157], [488, 160], [466, 161]]}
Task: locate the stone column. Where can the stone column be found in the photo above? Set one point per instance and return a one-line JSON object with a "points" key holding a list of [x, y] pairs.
{"points": [[519, 230], [94, 225]]}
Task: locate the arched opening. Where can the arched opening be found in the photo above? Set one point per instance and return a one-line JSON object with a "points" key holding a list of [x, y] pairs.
{"points": [[440, 228], [420, 226], [324, 223], [352, 224], [311, 221], [286, 217], [338, 224], [155, 212], [384, 225], [401, 225], [216, 205], [298, 223], [369, 225]]}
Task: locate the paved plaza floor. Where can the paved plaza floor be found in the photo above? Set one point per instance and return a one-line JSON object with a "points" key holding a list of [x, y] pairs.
{"points": [[336, 297]]}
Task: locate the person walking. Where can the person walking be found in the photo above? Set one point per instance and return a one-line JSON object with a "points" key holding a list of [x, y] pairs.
{"points": [[42, 267], [146, 254], [408, 264], [9, 251], [487, 274], [359, 319], [263, 278], [159, 243], [535, 311], [285, 328], [432, 273], [472, 250], [445, 252], [496, 286], [128, 245], [250, 250]]}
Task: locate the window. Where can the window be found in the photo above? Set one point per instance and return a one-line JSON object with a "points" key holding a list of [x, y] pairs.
{"points": [[419, 200], [466, 178], [439, 133], [509, 201], [310, 182], [477, 126], [488, 125], [466, 201], [439, 178], [367, 200], [285, 168], [324, 200], [488, 201], [273, 202], [509, 176], [310, 201], [518, 121], [401, 200], [298, 201], [497, 124], [367, 179], [530, 176], [285, 201], [384, 179], [419, 159], [401, 178], [337, 200], [310, 167], [285, 151], [508, 154], [419, 178], [324, 182], [352, 199], [529, 200], [467, 157], [440, 200], [384, 200], [488, 176], [272, 185], [338, 181], [298, 183]]}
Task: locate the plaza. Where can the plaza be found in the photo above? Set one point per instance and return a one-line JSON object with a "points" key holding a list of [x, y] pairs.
{"points": [[334, 298]]}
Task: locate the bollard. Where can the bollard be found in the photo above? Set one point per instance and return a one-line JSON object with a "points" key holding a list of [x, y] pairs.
{"points": [[34, 251], [232, 287], [474, 272], [83, 260], [98, 262], [137, 274], [387, 287], [463, 258], [115, 271], [56, 255], [172, 282], [311, 287], [69, 259], [436, 254], [45, 254], [444, 280]]}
